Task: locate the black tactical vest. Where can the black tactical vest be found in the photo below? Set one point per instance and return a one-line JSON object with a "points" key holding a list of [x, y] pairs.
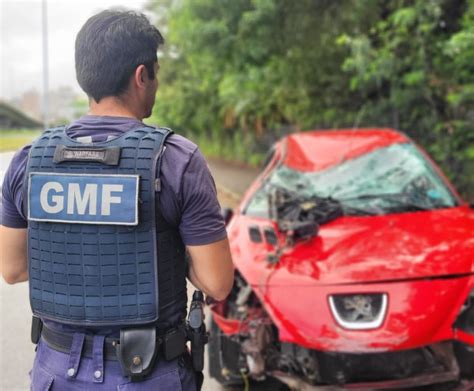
{"points": [[100, 252]]}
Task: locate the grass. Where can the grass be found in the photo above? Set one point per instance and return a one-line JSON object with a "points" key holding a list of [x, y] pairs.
{"points": [[13, 139]]}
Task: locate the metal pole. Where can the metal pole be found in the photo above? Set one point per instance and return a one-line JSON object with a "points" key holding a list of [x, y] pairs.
{"points": [[45, 65]]}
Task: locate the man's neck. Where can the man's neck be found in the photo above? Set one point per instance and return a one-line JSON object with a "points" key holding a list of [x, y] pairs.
{"points": [[113, 107]]}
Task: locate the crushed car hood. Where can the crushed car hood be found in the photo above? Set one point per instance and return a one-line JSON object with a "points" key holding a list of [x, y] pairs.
{"points": [[423, 261], [349, 250]]}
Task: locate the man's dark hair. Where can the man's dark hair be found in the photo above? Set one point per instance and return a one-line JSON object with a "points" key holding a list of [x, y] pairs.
{"points": [[109, 47]]}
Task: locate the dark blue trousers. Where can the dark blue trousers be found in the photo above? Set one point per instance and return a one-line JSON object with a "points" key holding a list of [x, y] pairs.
{"points": [[53, 370]]}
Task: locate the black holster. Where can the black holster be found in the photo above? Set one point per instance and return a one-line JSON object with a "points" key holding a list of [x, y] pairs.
{"points": [[197, 334], [139, 347]]}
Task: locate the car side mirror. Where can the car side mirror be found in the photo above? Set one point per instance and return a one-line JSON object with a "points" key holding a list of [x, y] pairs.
{"points": [[227, 214]]}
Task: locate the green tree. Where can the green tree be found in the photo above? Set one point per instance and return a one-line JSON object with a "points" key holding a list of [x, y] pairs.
{"points": [[415, 71], [236, 74]]}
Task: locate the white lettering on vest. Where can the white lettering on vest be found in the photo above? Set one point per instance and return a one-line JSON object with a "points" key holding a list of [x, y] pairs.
{"points": [[74, 197], [57, 200], [108, 199]]}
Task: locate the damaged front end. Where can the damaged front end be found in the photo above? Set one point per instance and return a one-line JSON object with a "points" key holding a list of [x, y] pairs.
{"points": [[245, 343], [245, 338], [330, 294]]}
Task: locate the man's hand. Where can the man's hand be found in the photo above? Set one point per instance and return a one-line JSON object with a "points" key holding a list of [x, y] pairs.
{"points": [[211, 269], [13, 262]]}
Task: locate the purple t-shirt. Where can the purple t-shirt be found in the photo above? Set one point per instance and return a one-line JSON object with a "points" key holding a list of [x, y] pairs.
{"points": [[188, 197]]}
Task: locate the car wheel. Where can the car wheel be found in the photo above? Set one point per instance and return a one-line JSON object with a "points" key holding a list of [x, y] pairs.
{"points": [[223, 355]]}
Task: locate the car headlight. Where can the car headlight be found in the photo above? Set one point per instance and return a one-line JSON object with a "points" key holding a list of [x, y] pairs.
{"points": [[362, 311]]}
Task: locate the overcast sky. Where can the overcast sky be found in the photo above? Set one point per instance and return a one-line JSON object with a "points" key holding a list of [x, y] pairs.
{"points": [[21, 41]]}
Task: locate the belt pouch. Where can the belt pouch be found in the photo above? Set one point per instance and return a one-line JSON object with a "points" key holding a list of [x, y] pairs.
{"points": [[36, 328], [137, 351], [173, 343]]}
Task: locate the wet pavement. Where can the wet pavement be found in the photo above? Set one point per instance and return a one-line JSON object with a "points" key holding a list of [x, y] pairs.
{"points": [[235, 178]]}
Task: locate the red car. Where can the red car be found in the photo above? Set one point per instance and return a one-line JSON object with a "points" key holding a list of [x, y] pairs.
{"points": [[354, 260]]}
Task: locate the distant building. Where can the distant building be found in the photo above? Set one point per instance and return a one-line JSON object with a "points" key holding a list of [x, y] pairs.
{"points": [[30, 104], [12, 118], [63, 102], [61, 105]]}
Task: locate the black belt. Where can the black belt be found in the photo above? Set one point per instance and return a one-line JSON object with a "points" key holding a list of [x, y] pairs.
{"points": [[170, 345], [62, 342]]}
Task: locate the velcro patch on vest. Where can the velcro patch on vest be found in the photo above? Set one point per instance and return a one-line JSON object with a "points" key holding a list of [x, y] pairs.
{"points": [[83, 198], [108, 155]]}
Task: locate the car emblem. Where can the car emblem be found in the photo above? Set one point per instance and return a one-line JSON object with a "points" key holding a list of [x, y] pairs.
{"points": [[359, 311]]}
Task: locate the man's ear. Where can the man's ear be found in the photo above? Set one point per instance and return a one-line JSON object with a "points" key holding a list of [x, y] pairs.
{"points": [[139, 76]]}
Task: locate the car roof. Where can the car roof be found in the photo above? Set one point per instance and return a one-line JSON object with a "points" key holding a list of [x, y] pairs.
{"points": [[316, 150]]}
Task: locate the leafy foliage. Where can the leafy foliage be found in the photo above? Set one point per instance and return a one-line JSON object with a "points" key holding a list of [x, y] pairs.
{"points": [[236, 74]]}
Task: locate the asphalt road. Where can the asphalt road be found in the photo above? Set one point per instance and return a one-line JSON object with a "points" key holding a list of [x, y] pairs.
{"points": [[232, 177], [16, 350]]}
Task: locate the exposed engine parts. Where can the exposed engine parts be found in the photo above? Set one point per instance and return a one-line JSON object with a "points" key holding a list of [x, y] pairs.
{"points": [[254, 347], [301, 216], [254, 350]]}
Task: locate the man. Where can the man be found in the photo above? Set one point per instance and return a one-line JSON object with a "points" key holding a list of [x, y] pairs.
{"points": [[98, 216]]}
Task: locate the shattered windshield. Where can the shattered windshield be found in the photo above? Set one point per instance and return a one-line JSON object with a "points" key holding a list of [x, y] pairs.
{"points": [[394, 179]]}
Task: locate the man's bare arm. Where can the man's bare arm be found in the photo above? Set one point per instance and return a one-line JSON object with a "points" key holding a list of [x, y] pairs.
{"points": [[211, 269], [13, 263]]}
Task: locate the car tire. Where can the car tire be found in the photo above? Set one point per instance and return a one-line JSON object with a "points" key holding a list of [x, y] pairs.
{"points": [[223, 355]]}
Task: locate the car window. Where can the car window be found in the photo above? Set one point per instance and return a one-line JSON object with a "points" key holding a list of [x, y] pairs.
{"points": [[393, 179]]}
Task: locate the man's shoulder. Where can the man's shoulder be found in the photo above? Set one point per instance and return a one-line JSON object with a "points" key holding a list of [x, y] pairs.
{"points": [[180, 144], [180, 156], [176, 143], [19, 159]]}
